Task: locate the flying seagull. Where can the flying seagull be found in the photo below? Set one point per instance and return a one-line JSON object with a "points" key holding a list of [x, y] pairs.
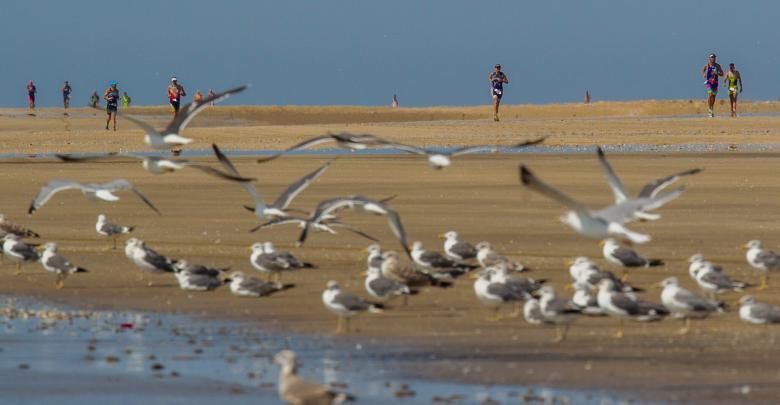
{"points": [[342, 140], [326, 225], [648, 191], [440, 160], [53, 262], [93, 191], [147, 259], [598, 224], [171, 137]]}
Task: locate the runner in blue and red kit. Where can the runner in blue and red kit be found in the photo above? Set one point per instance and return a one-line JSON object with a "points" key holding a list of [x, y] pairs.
{"points": [[712, 72], [497, 80]]}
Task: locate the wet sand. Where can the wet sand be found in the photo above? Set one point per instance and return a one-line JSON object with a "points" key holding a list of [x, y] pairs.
{"points": [[734, 200]]}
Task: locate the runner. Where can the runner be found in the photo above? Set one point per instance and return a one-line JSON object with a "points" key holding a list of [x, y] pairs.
{"points": [[94, 99], [126, 100], [31, 90], [198, 96], [211, 94], [734, 82], [175, 93], [711, 73], [66, 96], [111, 95], [497, 80]]}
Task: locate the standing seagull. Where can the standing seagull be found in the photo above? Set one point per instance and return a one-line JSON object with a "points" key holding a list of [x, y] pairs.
{"points": [[494, 293], [648, 191], [295, 390], [147, 259], [53, 262], [105, 228], [621, 305], [456, 249], [437, 264], [603, 223], [532, 312], [558, 311], [93, 191], [488, 257], [345, 305], [9, 228], [415, 279], [18, 251], [761, 259], [266, 259], [712, 278], [243, 286], [685, 304], [170, 137], [752, 311], [625, 257], [382, 287]]}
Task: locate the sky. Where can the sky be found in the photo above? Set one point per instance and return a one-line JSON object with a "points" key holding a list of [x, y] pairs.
{"points": [[428, 52]]}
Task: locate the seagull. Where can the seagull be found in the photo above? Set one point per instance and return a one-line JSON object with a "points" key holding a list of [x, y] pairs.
{"points": [[266, 259], [326, 225], [585, 301], [440, 160], [558, 311], [626, 306], [298, 391], [383, 288], [494, 293], [346, 305], [93, 191], [762, 260], [327, 208], [752, 311], [488, 257], [53, 262], [243, 286], [171, 137], [584, 271], [685, 304], [105, 228], [147, 259], [199, 269], [159, 165], [712, 278], [580, 267], [374, 259], [625, 257], [279, 208], [18, 251], [436, 264], [456, 249], [192, 281], [391, 268], [532, 312], [9, 228], [648, 191], [342, 140], [599, 224]]}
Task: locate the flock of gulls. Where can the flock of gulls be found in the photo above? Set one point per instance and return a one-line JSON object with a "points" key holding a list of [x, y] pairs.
{"points": [[389, 274]]}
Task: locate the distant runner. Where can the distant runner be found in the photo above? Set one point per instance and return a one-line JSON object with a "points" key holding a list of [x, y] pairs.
{"points": [[175, 93], [126, 100], [111, 96], [66, 95], [198, 96], [734, 82], [94, 99], [497, 80], [711, 73], [211, 94], [31, 90]]}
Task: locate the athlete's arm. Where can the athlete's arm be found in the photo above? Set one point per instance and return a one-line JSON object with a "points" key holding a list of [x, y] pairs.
{"points": [[506, 79], [739, 80]]}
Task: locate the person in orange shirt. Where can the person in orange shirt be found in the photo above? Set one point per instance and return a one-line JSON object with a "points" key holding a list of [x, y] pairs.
{"points": [[198, 96]]}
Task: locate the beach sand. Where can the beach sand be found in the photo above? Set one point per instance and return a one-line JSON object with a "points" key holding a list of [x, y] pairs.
{"points": [[734, 200]]}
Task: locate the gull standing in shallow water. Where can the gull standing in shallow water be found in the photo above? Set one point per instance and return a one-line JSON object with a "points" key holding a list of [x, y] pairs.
{"points": [[93, 191], [346, 305], [685, 304], [600, 224], [18, 251], [558, 311], [625, 257], [171, 137], [761, 259], [295, 390], [105, 228], [53, 262], [243, 286]]}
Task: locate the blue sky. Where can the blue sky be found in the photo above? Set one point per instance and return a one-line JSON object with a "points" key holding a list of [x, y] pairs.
{"points": [[436, 52]]}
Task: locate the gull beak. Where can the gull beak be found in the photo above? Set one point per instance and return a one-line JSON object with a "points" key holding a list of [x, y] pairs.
{"points": [[365, 250], [568, 287], [570, 262], [657, 286], [602, 243], [474, 275], [744, 247], [441, 236], [364, 273]]}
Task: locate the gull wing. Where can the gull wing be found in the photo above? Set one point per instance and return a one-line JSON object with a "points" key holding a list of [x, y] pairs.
{"points": [[625, 211], [186, 114], [303, 145], [141, 124], [536, 184], [215, 172], [339, 224], [279, 221], [297, 187], [249, 187], [495, 148], [47, 191], [618, 189], [145, 200], [653, 188], [85, 158]]}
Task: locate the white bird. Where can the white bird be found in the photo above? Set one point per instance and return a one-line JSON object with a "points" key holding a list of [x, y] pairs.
{"points": [[295, 390], [53, 262], [436, 264], [19, 252], [374, 258], [326, 225], [752, 311], [105, 228], [685, 304], [585, 301], [346, 305], [558, 311], [382, 287], [494, 293], [342, 140], [603, 223], [193, 281], [441, 159], [266, 259], [393, 269], [761, 259], [626, 257], [104, 192], [648, 191], [532, 312], [456, 249], [623, 306], [147, 259], [171, 137], [243, 286], [488, 257], [712, 278], [9, 228]]}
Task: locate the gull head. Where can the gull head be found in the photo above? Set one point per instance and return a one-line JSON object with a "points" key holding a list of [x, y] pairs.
{"points": [[697, 258], [450, 235], [180, 265], [439, 161], [236, 276], [268, 247], [2, 217], [374, 249], [483, 246], [547, 292], [50, 247], [609, 244], [257, 247], [606, 285], [101, 218], [286, 359], [332, 285], [580, 261], [12, 236], [753, 244], [417, 246], [748, 300], [670, 282]]}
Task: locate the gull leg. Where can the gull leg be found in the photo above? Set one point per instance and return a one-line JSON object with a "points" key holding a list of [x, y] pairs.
{"points": [[346, 324], [339, 321], [686, 327], [624, 277], [496, 316], [515, 310], [558, 335], [620, 332], [60, 281], [2, 256], [406, 299], [114, 238], [764, 282], [18, 268]]}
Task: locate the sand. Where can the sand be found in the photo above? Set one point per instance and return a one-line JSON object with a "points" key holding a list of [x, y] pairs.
{"points": [[734, 200]]}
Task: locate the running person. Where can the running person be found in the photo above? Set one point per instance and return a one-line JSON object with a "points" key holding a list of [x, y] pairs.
{"points": [[734, 82], [711, 73], [94, 99], [175, 93], [31, 90], [497, 80], [111, 95], [66, 95], [126, 100]]}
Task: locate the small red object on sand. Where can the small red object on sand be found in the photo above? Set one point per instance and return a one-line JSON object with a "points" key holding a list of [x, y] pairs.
{"points": [[126, 326]]}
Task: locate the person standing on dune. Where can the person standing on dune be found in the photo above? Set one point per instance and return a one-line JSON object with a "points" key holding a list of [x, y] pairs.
{"points": [[734, 82], [712, 72], [111, 95], [497, 80], [175, 93], [31, 90]]}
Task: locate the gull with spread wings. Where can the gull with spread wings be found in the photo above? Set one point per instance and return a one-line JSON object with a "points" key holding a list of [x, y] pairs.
{"points": [[342, 140], [104, 192], [441, 159]]}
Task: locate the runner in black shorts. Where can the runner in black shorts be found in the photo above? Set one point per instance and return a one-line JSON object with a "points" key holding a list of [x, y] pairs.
{"points": [[111, 96], [175, 93], [497, 80]]}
